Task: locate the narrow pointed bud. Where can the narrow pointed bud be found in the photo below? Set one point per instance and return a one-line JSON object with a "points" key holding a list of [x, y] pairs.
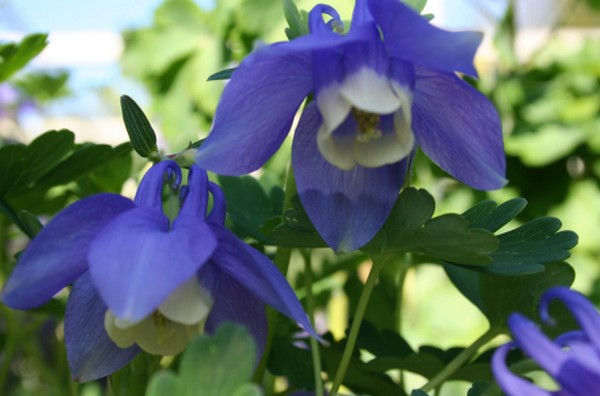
{"points": [[141, 134]]}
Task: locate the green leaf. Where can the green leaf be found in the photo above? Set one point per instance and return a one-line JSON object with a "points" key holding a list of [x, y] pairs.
{"points": [[251, 203], [497, 296], [527, 248], [418, 392], [28, 173], [503, 295], [298, 26], [45, 152], [248, 390], [382, 342], [528, 256], [429, 360], [488, 215], [359, 377], [134, 378], [449, 237], [10, 214], [224, 74], [21, 166], [14, 57], [382, 303], [220, 364], [417, 5], [292, 362], [43, 87], [30, 222], [212, 365], [83, 159], [297, 230], [594, 4], [257, 17], [141, 134], [164, 383], [12, 160], [478, 388]]}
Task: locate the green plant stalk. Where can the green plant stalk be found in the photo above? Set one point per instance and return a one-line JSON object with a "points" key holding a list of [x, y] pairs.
{"points": [[12, 341], [4, 269], [522, 367], [282, 261], [141, 372], [460, 359], [310, 310], [32, 348], [403, 267], [14, 217], [378, 263]]}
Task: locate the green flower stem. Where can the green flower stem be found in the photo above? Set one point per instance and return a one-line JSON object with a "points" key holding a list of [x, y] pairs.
{"points": [[4, 237], [522, 367], [403, 267], [282, 261], [12, 341], [460, 359], [14, 217], [310, 310], [32, 348], [378, 263]]}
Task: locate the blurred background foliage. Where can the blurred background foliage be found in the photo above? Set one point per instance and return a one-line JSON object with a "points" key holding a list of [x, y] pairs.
{"points": [[549, 103], [186, 44]]}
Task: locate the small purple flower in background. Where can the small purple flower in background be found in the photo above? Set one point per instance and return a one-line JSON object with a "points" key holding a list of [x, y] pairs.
{"points": [[143, 281], [381, 90], [572, 359]]}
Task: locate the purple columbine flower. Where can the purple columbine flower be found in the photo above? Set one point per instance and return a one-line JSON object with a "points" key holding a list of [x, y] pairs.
{"points": [[572, 359], [384, 88], [142, 281]]}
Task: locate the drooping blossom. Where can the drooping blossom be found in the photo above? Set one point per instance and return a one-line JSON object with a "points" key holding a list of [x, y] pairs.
{"points": [[386, 87], [146, 281], [572, 359]]}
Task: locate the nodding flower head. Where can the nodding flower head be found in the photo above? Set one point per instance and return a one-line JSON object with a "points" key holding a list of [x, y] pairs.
{"points": [[381, 90], [146, 279], [572, 359]]}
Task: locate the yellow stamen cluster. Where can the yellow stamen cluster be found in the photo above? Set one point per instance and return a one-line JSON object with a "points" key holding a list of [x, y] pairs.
{"points": [[368, 125], [162, 324]]}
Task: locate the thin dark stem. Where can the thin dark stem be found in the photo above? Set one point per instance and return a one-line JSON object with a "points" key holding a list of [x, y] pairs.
{"points": [[310, 310], [282, 261], [460, 360], [363, 301]]}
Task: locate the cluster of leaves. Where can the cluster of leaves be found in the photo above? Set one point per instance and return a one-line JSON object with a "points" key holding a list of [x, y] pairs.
{"points": [[13, 56], [42, 177], [498, 272], [186, 45], [39, 86]]}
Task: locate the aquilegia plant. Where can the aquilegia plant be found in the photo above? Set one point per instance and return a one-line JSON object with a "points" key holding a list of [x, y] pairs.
{"points": [[147, 276], [143, 281], [384, 88], [572, 359]]}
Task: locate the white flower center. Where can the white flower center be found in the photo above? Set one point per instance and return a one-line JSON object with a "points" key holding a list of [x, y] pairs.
{"points": [[367, 97], [167, 330]]}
